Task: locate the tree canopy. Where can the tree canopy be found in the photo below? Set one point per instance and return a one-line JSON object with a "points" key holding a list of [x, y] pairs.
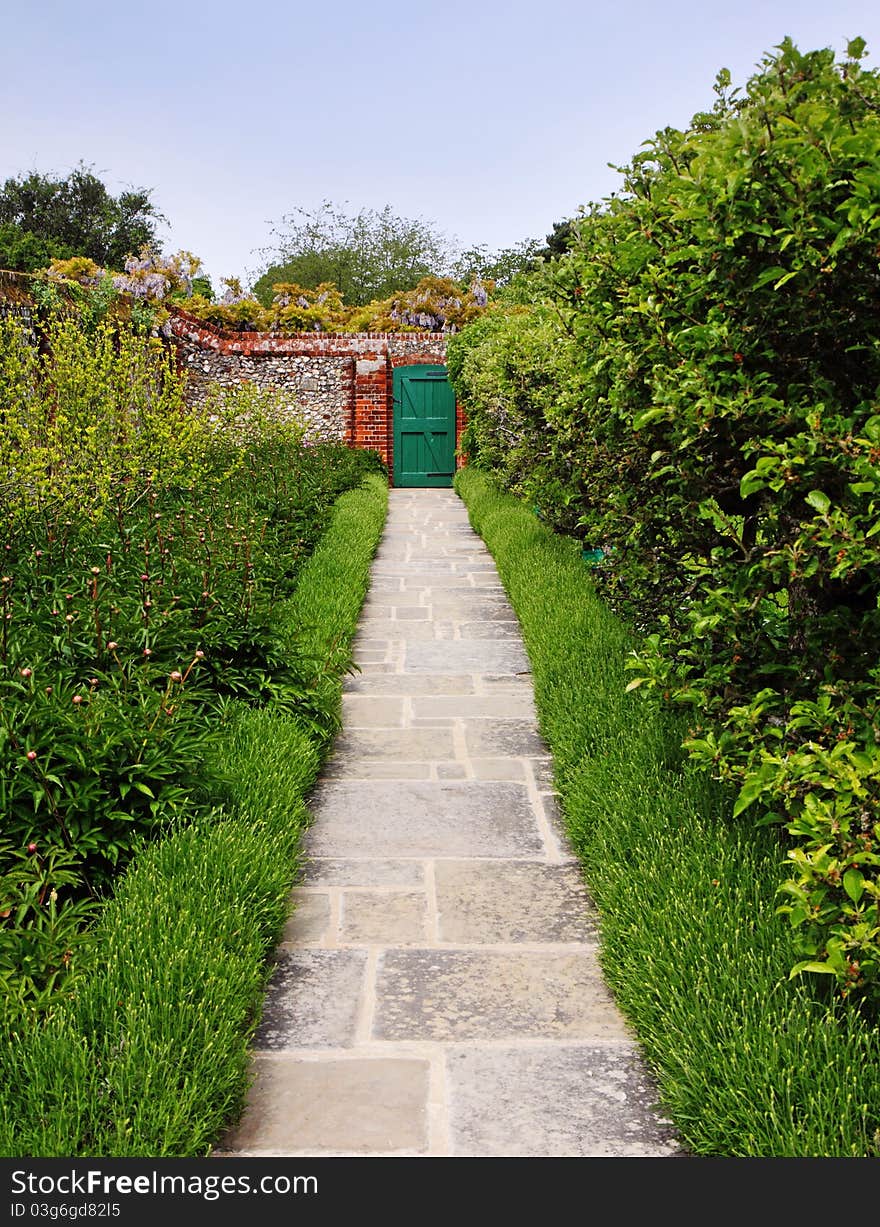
{"points": [[499, 266], [44, 217], [368, 255]]}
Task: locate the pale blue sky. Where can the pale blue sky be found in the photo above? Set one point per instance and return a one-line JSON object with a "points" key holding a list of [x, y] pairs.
{"points": [[490, 120]]}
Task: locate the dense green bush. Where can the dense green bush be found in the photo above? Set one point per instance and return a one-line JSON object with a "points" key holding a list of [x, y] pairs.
{"points": [[41, 214], [150, 1054], [512, 369], [714, 437]]}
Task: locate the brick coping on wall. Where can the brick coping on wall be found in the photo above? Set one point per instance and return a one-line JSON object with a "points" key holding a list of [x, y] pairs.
{"points": [[182, 323]]}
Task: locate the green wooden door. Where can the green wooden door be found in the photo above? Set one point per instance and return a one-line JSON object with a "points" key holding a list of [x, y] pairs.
{"points": [[424, 426]]}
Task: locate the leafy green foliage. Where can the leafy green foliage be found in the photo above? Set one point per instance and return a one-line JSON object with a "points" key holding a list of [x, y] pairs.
{"points": [[42, 217], [91, 768], [24, 251], [510, 367], [559, 239], [712, 428], [150, 1054], [371, 254], [501, 266], [42, 925]]}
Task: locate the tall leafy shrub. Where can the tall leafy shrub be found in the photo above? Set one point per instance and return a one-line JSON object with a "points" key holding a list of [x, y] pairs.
{"points": [[717, 438]]}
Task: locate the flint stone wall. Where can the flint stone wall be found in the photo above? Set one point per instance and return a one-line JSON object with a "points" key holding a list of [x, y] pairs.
{"points": [[318, 390]]}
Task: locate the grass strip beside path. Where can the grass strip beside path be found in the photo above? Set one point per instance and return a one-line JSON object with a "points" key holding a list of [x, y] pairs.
{"points": [[150, 1056], [748, 1063]]}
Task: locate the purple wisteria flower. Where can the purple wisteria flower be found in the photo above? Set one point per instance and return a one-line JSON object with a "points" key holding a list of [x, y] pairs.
{"points": [[148, 285], [231, 296]]}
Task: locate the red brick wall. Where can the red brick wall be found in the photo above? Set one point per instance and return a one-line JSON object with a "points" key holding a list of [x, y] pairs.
{"points": [[369, 421]]}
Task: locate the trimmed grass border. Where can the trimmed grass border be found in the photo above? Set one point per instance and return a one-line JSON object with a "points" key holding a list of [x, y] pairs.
{"points": [[748, 1062], [150, 1057]]}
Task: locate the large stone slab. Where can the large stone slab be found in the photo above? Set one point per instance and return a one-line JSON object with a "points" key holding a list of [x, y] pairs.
{"points": [[451, 771], [416, 579], [543, 772], [344, 766], [486, 902], [348, 871], [426, 567], [313, 999], [385, 629], [367, 711], [463, 544], [357, 1106], [468, 606], [384, 584], [498, 995], [464, 707], [400, 551], [396, 745], [557, 1100], [412, 818], [491, 630], [365, 655], [310, 920], [370, 647], [497, 738], [382, 599], [508, 683], [499, 768], [466, 656], [386, 918], [409, 684]]}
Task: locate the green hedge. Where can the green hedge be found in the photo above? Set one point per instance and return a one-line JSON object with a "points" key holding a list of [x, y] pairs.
{"points": [[692, 391], [748, 1062]]}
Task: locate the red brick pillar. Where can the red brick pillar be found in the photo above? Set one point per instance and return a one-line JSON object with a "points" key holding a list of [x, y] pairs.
{"points": [[372, 405]]}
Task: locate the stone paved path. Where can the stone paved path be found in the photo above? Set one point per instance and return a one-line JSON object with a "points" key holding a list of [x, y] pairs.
{"points": [[437, 990]]}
